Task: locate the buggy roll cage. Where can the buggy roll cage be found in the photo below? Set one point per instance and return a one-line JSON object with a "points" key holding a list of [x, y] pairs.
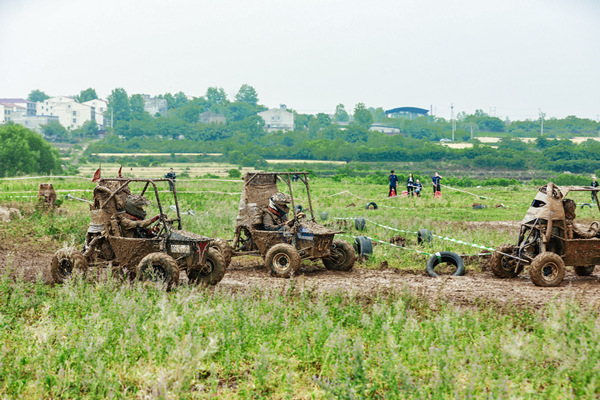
{"points": [[125, 183], [285, 177]]}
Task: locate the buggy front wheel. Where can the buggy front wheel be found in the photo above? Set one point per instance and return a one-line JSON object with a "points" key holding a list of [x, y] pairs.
{"points": [[212, 271], [158, 267], [65, 262], [341, 258], [547, 269], [504, 266]]}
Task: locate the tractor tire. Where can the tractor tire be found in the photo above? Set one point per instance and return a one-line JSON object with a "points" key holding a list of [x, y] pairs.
{"points": [[424, 235], [503, 266], [363, 246], [212, 271], [224, 248], [371, 206], [360, 224], [447, 257], [65, 261], [547, 269], [158, 267], [341, 258], [283, 260], [584, 271]]}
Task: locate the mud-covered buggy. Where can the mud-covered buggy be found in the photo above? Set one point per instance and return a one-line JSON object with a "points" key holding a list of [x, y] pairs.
{"points": [[284, 250], [158, 252], [549, 239]]}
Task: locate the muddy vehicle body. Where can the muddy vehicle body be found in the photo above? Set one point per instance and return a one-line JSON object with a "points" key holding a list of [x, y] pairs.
{"points": [[284, 250], [549, 239], [157, 253]]}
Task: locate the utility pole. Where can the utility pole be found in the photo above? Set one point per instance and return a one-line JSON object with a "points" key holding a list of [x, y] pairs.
{"points": [[542, 115], [452, 119]]}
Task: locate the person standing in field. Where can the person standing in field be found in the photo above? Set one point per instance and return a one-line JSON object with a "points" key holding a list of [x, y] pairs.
{"points": [[435, 180], [171, 175], [393, 179], [594, 184], [410, 185]]}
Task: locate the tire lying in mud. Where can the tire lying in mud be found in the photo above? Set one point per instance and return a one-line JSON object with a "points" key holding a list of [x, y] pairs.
{"points": [[224, 248], [213, 269], [158, 267], [547, 269], [283, 260], [341, 258], [424, 235], [445, 257], [584, 271], [371, 206], [363, 246], [66, 261], [503, 266], [360, 224]]}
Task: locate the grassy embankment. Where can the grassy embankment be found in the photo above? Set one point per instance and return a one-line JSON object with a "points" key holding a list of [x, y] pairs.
{"points": [[106, 339]]}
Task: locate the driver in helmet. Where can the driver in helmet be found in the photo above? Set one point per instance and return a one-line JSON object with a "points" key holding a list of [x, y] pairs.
{"points": [[133, 224], [275, 218]]}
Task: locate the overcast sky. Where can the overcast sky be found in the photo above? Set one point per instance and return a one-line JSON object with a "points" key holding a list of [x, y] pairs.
{"points": [[510, 58]]}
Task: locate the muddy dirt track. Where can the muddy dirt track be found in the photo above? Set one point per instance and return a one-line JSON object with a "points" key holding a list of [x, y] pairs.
{"points": [[468, 289]]}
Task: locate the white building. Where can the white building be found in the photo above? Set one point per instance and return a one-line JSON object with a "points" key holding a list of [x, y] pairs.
{"points": [[278, 119], [11, 108], [155, 105], [389, 130], [72, 114]]}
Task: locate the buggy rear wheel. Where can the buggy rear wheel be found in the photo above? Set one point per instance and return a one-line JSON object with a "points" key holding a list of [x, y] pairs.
{"points": [[66, 261], [584, 271], [283, 260], [158, 267], [504, 266], [212, 271], [341, 258], [547, 269]]}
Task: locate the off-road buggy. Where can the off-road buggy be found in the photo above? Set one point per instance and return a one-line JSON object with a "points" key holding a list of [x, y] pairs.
{"points": [[156, 254], [284, 250], [549, 239]]}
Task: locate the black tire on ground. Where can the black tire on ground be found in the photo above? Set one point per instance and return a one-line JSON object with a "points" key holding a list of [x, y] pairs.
{"points": [[547, 269], [66, 261], [298, 208], [503, 266], [158, 267], [342, 257], [445, 257], [360, 224], [584, 270], [324, 215], [212, 271], [224, 248], [283, 260], [363, 246], [424, 235], [586, 205], [371, 206]]}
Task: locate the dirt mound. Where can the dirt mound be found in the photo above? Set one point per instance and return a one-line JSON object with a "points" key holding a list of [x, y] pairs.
{"points": [[9, 214]]}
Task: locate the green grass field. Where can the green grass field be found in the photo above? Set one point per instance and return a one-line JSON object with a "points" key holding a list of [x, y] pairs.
{"points": [[107, 339]]}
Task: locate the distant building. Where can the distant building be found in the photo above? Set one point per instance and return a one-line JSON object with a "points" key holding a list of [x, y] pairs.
{"points": [[155, 105], [72, 114], [35, 122], [389, 130], [406, 112], [278, 119], [210, 117], [17, 106]]}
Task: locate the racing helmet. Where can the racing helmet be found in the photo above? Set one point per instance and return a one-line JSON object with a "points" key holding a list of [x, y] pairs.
{"points": [[134, 205], [280, 201]]}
